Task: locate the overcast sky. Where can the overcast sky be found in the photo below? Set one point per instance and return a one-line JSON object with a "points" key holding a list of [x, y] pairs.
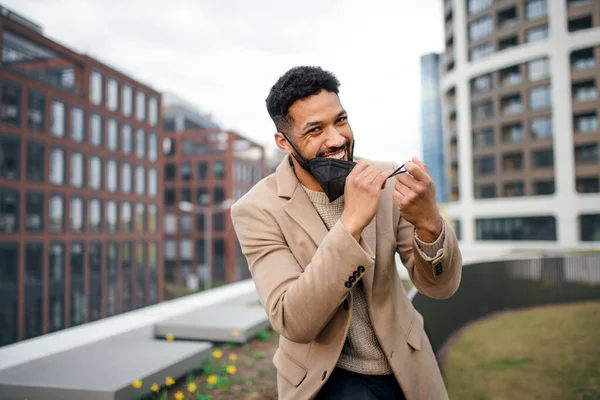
{"points": [[224, 55]]}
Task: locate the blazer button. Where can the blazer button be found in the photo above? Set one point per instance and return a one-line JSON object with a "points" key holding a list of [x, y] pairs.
{"points": [[348, 284], [324, 375], [356, 274], [346, 305], [351, 279], [361, 269]]}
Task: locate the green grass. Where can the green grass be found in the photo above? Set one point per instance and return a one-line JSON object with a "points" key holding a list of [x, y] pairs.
{"points": [[543, 353]]}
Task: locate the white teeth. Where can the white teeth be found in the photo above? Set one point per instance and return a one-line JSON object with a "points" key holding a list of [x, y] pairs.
{"points": [[338, 156]]}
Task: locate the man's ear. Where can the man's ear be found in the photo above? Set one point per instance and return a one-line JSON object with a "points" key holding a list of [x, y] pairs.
{"points": [[282, 143]]}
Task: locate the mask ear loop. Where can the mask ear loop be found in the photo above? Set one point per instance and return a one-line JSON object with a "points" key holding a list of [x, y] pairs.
{"points": [[397, 171]]}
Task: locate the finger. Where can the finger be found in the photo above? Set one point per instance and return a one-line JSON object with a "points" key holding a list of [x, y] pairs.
{"points": [[373, 174], [381, 179], [403, 189], [364, 173], [398, 198], [358, 168], [421, 164], [408, 180], [416, 171]]}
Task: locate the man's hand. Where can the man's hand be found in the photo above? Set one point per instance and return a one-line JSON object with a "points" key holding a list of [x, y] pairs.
{"points": [[361, 197], [415, 195]]}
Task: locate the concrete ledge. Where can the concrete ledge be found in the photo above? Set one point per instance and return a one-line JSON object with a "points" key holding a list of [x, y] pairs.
{"points": [[104, 370]]}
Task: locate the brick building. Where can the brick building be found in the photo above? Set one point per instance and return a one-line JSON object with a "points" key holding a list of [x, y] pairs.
{"points": [[79, 181]]}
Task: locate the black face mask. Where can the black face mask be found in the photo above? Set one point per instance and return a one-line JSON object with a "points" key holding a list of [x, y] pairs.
{"points": [[330, 173]]}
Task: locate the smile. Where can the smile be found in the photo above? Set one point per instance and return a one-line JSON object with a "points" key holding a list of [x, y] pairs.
{"points": [[340, 155]]}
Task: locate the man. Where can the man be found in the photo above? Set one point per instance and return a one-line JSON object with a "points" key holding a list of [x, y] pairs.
{"points": [[320, 236]]}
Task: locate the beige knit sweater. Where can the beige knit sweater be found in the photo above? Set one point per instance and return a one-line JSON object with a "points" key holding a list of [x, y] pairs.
{"points": [[361, 352]]}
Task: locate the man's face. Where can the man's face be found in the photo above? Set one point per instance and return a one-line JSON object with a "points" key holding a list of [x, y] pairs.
{"points": [[320, 127]]}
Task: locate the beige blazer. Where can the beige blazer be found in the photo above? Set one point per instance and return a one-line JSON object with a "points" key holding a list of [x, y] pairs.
{"points": [[302, 274]]}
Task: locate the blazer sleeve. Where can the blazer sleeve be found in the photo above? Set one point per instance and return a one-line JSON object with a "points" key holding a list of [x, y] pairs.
{"points": [[437, 277], [299, 302]]}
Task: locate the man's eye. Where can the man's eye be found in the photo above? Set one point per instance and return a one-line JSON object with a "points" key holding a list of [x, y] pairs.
{"points": [[314, 130], [342, 119]]}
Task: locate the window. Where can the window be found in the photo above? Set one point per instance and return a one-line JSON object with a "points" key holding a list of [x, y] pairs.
{"points": [[126, 178], [585, 91], [481, 28], [512, 133], [536, 34], [580, 24], [219, 221], [168, 147], [583, 59], [10, 157], [34, 263], [590, 227], [202, 196], [202, 171], [516, 228], [476, 6], [219, 170], [112, 134], [510, 76], [9, 210], [152, 182], [586, 154], [512, 162], [588, 185], [170, 197], [57, 166], [201, 223], [542, 158], [513, 189], [58, 121], [95, 178], [152, 111], [77, 125], [586, 123], [538, 69], [511, 104], [170, 172], [36, 111], [186, 222], [95, 215], [126, 139], [96, 83], [57, 214], [77, 260], [508, 42], [127, 100], [186, 249], [485, 191], [483, 137], [57, 262], [77, 169], [541, 188], [483, 110], [186, 195], [153, 147], [9, 259], [140, 106], [219, 195], [139, 180], [126, 217], [112, 95], [34, 217], [578, 3], [484, 166], [170, 260], [541, 128], [11, 103], [111, 216], [482, 84], [508, 17], [152, 218], [540, 97], [35, 161], [95, 130], [186, 171], [219, 259], [170, 222], [481, 51], [95, 255], [139, 217], [140, 148], [111, 175], [77, 215], [535, 9]]}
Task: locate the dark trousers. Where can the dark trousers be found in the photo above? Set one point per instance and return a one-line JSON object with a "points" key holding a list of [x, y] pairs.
{"points": [[347, 385]]}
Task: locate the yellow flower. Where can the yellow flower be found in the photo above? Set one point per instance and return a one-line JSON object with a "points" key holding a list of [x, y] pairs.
{"points": [[231, 369], [137, 384], [169, 381], [192, 387], [170, 337], [179, 395], [217, 354], [154, 387], [233, 357], [235, 332], [212, 379]]}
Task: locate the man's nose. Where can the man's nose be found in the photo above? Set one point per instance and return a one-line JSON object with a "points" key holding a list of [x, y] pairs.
{"points": [[334, 138]]}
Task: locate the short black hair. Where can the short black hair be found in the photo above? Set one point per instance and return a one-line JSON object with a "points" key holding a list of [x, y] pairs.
{"points": [[296, 84]]}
